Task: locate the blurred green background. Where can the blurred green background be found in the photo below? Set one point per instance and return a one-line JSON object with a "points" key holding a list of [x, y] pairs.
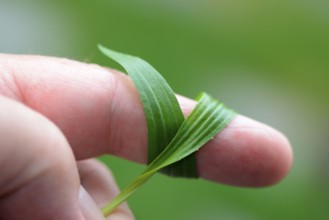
{"points": [[269, 60]]}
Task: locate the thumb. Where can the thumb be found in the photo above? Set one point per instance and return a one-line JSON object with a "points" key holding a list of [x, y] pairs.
{"points": [[39, 177]]}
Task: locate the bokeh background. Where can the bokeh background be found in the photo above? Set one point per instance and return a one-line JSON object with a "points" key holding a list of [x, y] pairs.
{"points": [[269, 60]]}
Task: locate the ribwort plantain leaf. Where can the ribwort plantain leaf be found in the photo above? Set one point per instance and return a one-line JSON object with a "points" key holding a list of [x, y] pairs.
{"points": [[161, 108], [172, 140]]}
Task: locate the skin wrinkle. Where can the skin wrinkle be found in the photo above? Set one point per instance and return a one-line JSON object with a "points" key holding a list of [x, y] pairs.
{"points": [[114, 83], [121, 140], [115, 149], [8, 86]]}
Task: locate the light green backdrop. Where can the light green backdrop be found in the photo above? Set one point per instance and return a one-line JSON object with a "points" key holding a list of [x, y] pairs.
{"points": [[267, 59]]}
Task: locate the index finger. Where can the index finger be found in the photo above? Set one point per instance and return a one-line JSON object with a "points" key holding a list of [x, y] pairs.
{"points": [[99, 112]]}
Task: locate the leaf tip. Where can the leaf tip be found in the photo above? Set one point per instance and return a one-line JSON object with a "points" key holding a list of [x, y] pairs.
{"points": [[102, 48]]}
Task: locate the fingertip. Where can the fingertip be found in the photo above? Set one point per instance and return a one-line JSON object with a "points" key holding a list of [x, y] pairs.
{"points": [[282, 160], [273, 158], [246, 153]]}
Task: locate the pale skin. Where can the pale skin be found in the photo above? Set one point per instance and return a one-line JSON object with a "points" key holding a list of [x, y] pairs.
{"points": [[55, 112]]}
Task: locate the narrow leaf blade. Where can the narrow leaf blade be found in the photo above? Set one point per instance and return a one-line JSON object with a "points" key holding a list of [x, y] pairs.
{"points": [[161, 108]]}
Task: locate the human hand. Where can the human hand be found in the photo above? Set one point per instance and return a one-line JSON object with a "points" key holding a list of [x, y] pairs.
{"points": [[55, 112]]}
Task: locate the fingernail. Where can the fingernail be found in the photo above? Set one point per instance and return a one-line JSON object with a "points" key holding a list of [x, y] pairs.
{"points": [[88, 207]]}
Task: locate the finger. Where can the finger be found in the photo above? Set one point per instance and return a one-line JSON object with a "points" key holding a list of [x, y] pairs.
{"points": [[99, 111], [88, 206], [248, 153], [39, 178], [245, 153], [100, 184]]}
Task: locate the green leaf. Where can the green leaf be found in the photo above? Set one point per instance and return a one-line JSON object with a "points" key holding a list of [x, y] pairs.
{"points": [[161, 108], [166, 124], [205, 121]]}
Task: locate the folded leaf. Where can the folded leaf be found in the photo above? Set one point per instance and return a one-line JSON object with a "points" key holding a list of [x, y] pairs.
{"points": [[173, 140], [206, 120], [161, 108]]}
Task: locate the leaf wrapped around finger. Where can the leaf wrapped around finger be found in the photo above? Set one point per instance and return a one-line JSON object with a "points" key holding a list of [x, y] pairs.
{"points": [[172, 139], [161, 108]]}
